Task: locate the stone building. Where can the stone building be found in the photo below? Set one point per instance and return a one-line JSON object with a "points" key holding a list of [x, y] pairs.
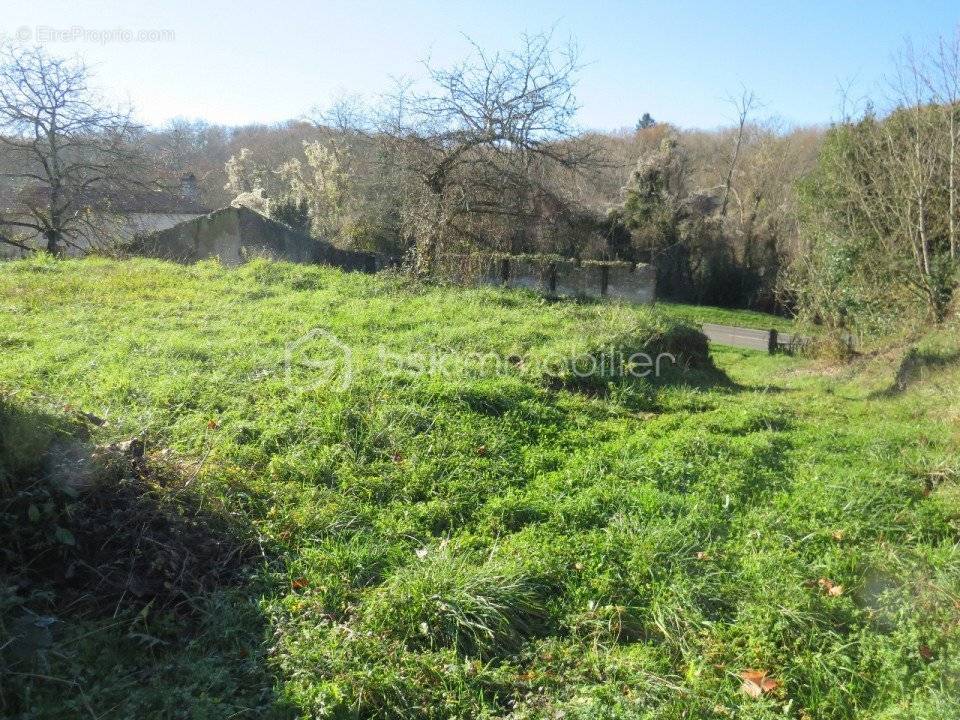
{"points": [[236, 234]]}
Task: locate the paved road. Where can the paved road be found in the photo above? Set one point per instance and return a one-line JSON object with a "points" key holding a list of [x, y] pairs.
{"points": [[737, 336], [769, 340], [749, 337]]}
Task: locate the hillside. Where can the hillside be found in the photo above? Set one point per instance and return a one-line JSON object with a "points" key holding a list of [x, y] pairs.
{"points": [[363, 497]]}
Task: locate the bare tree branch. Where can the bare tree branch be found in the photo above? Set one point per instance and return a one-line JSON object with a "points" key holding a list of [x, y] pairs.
{"points": [[69, 155]]}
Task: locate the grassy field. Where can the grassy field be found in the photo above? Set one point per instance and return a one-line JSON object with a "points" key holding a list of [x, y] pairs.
{"points": [[699, 314], [362, 497]]}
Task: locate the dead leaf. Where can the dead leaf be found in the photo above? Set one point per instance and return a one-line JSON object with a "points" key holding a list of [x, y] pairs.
{"points": [[701, 555], [925, 652], [299, 584], [838, 535], [830, 587], [212, 424], [481, 450], [757, 682]]}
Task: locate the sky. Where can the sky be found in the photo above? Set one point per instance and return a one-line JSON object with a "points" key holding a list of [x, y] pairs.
{"points": [[242, 62]]}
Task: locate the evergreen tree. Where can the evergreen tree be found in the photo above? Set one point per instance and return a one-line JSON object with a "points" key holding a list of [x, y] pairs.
{"points": [[646, 121]]}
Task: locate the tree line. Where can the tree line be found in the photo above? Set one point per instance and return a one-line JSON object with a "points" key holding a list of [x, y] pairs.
{"points": [[852, 225]]}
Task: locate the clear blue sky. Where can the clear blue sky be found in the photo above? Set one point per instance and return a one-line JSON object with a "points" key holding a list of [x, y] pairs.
{"points": [[237, 62]]}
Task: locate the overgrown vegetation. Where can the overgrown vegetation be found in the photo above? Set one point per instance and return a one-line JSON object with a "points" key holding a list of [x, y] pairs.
{"points": [[879, 215], [713, 211], [474, 542]]}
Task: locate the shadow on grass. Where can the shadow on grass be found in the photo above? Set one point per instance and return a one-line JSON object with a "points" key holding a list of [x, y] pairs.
{"points": [[678, 356], [125, 593], [715, 379], [913, 367], [695, 372]]}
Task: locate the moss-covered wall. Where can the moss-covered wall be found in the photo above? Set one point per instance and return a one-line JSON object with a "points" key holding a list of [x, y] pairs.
{"points": [[554, 276]]}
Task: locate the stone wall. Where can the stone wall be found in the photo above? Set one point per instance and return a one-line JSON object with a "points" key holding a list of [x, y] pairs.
{"points": [[555, 277], [235, 235], [575, 280], [528, 274], [636, 283]]}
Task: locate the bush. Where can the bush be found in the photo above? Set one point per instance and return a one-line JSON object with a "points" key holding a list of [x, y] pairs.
{"points": [[636, 354], [831, 345]]}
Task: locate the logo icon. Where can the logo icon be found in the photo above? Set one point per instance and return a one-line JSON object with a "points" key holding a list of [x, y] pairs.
{"points": [[318, 359]]}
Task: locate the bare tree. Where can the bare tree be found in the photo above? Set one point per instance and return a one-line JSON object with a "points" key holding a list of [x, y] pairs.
{"points": [[67, 157], [880, 216], [480, 145], [944, 83], [744, 105]]}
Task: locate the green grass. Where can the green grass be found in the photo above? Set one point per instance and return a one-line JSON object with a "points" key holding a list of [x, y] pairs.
{"points": [[466, 543], [699, 314]]}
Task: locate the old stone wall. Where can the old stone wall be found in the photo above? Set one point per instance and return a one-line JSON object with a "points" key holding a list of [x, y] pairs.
{"points": [[637, 283], [556, 277], [235, 235]]}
